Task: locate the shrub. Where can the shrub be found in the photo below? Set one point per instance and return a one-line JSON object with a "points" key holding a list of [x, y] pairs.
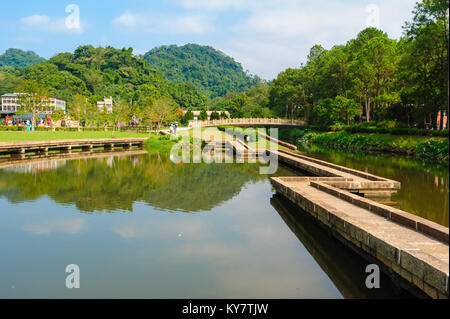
{"points": [[430, 149]]}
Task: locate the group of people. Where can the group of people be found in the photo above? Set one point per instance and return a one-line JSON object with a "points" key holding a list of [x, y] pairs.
{"points": [[12, 121], [173, 128]]}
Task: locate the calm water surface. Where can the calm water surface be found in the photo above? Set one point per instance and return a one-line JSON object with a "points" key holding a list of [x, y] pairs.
{"points": [[424, 185], [140, 226]]}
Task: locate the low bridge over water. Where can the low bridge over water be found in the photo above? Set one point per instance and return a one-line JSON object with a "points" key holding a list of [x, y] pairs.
{"points": [[20, 149], [249, 122], [413, 251]]}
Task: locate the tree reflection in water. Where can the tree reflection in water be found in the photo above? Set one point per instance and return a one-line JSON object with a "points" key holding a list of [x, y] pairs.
{"points": [[116, 182]]}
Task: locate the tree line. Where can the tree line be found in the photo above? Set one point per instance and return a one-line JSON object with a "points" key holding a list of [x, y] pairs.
{"points": [[370, 78], [89, 74]]}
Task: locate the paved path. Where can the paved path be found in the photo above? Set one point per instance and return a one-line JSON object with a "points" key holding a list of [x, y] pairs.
{"points": [[413, 248]]}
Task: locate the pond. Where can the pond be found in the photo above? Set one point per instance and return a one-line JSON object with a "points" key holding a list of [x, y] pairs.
{"points": [[139, 226]]}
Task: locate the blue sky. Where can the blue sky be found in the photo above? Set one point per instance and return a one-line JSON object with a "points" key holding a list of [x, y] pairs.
{"points": [[266, 36]]}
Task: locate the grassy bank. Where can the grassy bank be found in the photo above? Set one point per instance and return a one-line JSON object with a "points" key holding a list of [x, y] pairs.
{"points": [[9, 136], [160, 143], [434, 148], [154, 144], [380, 128], [163, 144]]}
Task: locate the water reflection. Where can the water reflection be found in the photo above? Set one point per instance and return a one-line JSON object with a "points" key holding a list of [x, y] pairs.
{"points": [[236, 245], [115, 181], [240, 249], [69, 226]]}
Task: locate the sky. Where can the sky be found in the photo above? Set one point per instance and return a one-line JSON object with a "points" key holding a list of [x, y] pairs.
{"points": [[265, 36]]}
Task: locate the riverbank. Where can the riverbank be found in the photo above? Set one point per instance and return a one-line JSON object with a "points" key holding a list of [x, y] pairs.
{"points": [[433, 148], [160, 143]]}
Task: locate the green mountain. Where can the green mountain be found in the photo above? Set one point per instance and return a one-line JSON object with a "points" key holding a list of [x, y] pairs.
{"points": [[19, 58], [98, 72], [212, 72]]}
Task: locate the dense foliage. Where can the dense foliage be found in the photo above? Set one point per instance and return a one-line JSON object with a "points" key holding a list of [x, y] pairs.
{"points": [[18, 58], [253, 103], [212, 72], [89, 74], [370, 78], [422, 147]]}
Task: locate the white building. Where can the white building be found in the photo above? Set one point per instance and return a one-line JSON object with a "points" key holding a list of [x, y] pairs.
{"points": [[106, 103], [11, 104]]}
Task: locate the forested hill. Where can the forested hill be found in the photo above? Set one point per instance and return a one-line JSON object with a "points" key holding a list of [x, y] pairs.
{"points": [[19, 58], [212, 72], [97, 72]]}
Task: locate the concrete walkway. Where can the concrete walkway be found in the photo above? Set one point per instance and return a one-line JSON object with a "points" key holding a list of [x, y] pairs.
{"points": [[352, 180], [411, 248]]}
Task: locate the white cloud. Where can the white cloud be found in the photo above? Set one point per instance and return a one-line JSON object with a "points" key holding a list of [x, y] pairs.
{"points": [[127, 231], [174, 24], [45, 23], [127, 20], [191, 229], [191, 24], [216, 5], [271, 38], [36, 20], [69, 226]]}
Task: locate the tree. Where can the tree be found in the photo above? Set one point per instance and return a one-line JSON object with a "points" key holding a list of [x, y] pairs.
{"points": [[224, 115], [19, 58], [239, 103], [78, 107], [214, 116], [334, 73], [344, 110], [32, 99], [425, 68], [160, 111], [287, 92], [57, 115], [211, 72], [187, 96], [119, 113], [373, 70], [333, 111], [203, 115], [189, 116], [322, 113], [9, 82]]}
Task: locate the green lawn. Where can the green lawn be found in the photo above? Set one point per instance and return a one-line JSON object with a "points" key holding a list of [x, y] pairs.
{"points": [[221, 134], [8, 136]]}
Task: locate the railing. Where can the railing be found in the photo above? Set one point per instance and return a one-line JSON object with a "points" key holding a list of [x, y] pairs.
{"points": [[247, 121]]}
